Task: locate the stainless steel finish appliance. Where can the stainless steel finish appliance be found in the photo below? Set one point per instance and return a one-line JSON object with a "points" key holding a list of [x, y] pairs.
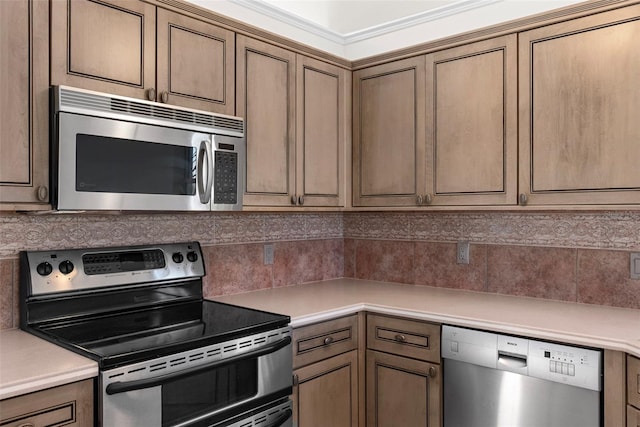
{"points": [[115, 153], [493, 380], [167, 356]]}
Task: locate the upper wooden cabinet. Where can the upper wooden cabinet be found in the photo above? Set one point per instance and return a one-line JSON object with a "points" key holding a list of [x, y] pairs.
{"points": [[472, 124], [110, 46], [389, 134], [438, 130], [579, 103], [294, 109], [24, 122]]}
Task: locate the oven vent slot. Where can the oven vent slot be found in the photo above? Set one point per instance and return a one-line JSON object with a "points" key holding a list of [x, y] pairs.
{"points": [[196, 356], [177, 362], [157, 366], [228, 348], [245, 344], [260, 340], [70, 98], [215, 352], [262, 419]]}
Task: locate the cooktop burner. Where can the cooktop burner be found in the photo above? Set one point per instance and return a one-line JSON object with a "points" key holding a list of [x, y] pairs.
{"points": [[143, 302], [128, 337]]}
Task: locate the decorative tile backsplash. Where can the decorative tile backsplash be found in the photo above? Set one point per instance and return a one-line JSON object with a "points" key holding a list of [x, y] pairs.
{"points": [[63, 231], [571, 256], [603, 230]]}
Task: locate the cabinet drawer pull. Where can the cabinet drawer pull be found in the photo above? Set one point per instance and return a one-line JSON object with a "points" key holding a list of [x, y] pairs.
{"points": [[328, 340], [401, 338], [164, 97], [432, 372]]}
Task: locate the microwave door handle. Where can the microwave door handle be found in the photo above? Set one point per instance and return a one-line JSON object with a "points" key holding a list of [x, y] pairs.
{"points": [[124, 386], [286, 414], [205, 156]]}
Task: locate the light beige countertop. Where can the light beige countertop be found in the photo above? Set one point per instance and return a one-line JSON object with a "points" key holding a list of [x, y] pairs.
{"points": [[584, 324], [28, 364]]}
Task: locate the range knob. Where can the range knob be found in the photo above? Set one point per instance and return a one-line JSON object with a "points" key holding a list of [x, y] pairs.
{"points": [[192, 256], [44, 268], [177, 257], [66, 267]]}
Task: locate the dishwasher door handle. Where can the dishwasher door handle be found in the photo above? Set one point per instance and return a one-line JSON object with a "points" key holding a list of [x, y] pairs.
{"points": [[512, 362]]}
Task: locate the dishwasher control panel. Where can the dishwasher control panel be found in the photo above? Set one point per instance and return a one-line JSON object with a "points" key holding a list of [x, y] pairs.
{"points": [[566, 364]]}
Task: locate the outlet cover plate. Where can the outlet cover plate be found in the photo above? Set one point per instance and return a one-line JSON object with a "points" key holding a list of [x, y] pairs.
{"points": [[635, 265], [462, 252], [268, 254]]}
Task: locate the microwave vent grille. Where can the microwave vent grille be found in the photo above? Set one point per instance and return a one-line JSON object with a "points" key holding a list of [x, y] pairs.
{"points": [[104, 103]]}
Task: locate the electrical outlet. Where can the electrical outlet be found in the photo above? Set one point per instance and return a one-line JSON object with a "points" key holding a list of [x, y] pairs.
{"points": [[268, 254], [635, 265], [463, 253]]}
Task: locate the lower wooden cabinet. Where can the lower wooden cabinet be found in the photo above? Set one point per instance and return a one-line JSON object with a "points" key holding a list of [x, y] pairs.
{"points": [[326, 393], [402, 392], [69, 405], [633, 416]]}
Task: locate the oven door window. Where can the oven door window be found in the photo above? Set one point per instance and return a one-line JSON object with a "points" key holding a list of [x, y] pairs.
{"points": [[205, 392], [116, 165]]}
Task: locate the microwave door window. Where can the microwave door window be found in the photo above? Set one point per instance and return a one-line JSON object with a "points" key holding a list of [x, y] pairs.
{"points": [[116, 165]]}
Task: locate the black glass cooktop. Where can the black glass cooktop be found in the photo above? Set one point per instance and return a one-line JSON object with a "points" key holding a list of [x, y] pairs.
{"points": [[128, 337]]}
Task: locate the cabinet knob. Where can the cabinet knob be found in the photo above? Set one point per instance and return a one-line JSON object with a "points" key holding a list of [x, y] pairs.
{"points": [[294, 200], [296, 380], [42, 193], [523, 199], [328, 340], [401, 338], [433, 372], [301, 200], [418, 200], [427, 199], [151, 94], [164, 97]]}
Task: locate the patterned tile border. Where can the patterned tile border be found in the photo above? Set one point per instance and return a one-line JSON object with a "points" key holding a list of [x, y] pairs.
{"points": [[598, 230], [62, 231]]}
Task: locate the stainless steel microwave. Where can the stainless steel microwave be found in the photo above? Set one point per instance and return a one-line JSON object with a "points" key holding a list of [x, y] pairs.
{"points": [[116, 153]]}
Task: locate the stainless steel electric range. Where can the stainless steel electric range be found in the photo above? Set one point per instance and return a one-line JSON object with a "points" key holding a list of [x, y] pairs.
{"points": [[167, 356]]}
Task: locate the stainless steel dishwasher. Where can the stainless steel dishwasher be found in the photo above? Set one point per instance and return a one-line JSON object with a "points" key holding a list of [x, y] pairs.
{"points": [[493, 380]]}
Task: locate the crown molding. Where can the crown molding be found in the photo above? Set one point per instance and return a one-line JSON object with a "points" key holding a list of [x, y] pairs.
{"points": [[282, 15]]}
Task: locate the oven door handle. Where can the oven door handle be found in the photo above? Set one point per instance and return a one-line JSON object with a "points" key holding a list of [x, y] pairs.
{"points": [[124, 386], [282, 418]]}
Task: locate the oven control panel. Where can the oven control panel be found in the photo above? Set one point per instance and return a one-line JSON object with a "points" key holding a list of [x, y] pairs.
{"points": [[51, 272]]}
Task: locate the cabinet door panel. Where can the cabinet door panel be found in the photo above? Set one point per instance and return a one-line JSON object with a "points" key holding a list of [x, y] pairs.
{"points": [[266, 100], [195, 63], [320, 132], [104, 46], [388, 152], [327, 393], [579, 110], [401, 392], [472, 122], [24, 122]]}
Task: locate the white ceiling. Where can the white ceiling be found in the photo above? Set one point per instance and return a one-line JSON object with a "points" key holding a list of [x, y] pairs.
{"points": [[349, 16], [355, 29]]}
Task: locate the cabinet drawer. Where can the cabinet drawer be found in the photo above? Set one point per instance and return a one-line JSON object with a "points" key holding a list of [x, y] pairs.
{"points": [[411, 338], [633, 416], [68, 405], [633, 381], [322, 340]]}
